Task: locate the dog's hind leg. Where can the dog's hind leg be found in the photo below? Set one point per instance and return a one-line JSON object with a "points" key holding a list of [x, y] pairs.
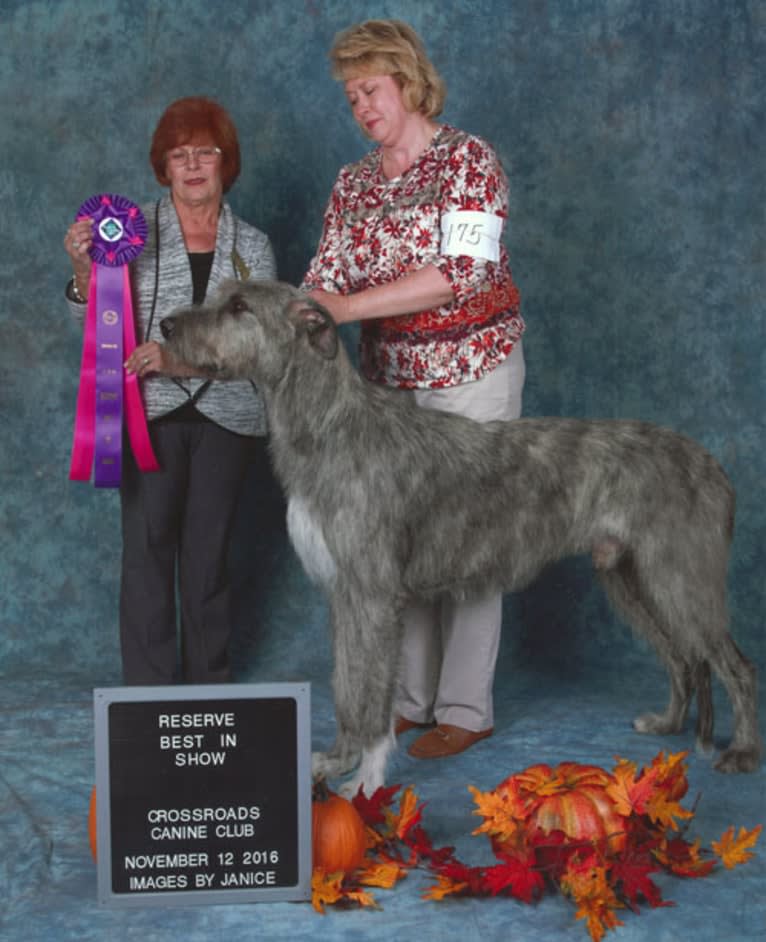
{"points": [[688, 595], [623, 588], [692, 597], [738, 676], [705, 713], [366, 642]]}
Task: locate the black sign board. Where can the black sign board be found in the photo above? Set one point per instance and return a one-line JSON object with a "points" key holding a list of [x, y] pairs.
{"points": [[203, 794]]}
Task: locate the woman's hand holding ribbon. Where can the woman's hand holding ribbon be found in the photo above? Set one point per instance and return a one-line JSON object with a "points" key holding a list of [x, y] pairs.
{"points": [[77, 242]]}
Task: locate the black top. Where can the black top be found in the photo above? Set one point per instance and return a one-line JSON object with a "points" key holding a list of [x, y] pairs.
{"points": [[201, 263]]}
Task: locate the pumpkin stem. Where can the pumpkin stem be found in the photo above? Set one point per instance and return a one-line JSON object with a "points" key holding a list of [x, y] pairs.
{"points": [[320, 791]]}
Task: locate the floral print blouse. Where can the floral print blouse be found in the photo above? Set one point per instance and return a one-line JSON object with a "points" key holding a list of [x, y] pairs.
{"points": [[377, 230]]}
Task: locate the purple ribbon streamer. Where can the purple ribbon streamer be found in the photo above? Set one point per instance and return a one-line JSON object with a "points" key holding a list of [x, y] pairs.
{"points": [[109, 357]]}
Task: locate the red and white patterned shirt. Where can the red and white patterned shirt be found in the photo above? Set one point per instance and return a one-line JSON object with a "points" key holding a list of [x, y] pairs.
{"points": [[377, 230]]}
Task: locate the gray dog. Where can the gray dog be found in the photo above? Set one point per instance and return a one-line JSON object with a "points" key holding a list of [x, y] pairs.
{"points": [[388, 502]]}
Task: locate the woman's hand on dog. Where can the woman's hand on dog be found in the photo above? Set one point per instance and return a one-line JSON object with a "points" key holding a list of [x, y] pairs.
{"points": [[153, 357]]}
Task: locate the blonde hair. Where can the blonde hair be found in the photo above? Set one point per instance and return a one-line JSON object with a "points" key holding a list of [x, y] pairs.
{"points": [[390, 47]]}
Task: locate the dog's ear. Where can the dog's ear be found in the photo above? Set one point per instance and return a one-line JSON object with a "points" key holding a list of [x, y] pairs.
{"points": [[308, 315]]}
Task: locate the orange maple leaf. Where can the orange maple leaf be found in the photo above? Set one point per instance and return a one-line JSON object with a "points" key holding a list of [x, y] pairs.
{"points": [[359, 896], [671, 765], [735, 850], [446, 886], [325, 889], [495, 808], [409, 813], [596, 900], [328, 889], [380, 873], [630, 794], [682, 858], [663, 810]]}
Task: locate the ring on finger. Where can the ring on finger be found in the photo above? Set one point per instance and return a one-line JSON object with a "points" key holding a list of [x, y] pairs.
{"points": [[75, 245], [145, 361]]}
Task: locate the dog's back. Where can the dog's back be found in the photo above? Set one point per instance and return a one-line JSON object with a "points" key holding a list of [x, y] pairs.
{"points": [[391, 501]]}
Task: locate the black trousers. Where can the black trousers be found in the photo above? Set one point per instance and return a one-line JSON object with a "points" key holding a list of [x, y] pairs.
{"points": [[176, 524]]}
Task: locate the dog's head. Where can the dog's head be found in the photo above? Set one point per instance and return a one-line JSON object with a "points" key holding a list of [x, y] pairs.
{"points": [[250, 330]]}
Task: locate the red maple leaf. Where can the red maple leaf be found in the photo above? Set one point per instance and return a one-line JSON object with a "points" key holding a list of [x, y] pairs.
{"points": [[683, 859], [419, 841], [472, 877], [372, 810], [631, 794], [631, 871], [522, 880]]}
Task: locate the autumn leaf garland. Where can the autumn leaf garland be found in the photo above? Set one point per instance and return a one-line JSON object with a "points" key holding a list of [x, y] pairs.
{"points": [[603, 874]]}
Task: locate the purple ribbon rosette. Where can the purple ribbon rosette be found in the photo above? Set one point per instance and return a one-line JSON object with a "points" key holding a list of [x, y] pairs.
{"points": [[107, 394]]}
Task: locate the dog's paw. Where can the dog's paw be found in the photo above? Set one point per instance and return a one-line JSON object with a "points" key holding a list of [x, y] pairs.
{"points": [[704, 748], [655, 724], [738, 760], [350, 789], [333, 764], [327, 765]]}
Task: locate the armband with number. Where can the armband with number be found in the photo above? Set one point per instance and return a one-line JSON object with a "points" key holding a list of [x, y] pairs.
{"points": [[467, 232]]}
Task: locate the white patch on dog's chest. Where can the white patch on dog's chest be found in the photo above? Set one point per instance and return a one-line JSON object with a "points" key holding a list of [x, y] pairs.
{"points": [[307, 538]]}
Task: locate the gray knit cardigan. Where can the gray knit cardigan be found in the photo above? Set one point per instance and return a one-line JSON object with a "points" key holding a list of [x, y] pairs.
{"points": [[161, 279]]}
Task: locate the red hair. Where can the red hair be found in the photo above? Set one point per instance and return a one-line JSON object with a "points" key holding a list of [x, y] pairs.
{"points": [[193, 119]]}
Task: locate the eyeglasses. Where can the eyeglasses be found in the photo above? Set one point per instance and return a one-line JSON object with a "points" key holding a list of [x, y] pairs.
{"points": [[180, 156]]}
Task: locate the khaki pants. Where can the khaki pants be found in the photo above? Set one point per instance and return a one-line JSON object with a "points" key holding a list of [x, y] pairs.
{"points": [[450, 648]]}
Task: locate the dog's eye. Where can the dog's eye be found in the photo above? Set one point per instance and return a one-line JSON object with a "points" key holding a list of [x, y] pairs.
{"points": [[237, 304]]}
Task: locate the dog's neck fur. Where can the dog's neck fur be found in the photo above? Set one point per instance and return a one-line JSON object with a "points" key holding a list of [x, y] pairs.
{"points": [[307, 415]]}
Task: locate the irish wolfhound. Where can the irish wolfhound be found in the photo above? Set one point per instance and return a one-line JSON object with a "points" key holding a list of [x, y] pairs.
{"points": [[387, 501]]}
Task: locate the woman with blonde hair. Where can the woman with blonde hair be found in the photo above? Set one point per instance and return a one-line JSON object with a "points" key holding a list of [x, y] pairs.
{"points": [[412, 249]]}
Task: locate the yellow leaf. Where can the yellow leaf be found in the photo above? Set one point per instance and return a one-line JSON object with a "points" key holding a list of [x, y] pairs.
{"points": [[664, 811], [495, 809], [372, 838], [595, 898], [620, 789], [359, 896], [445, 887], [670, 766], [734, 851], [625, 764], [385, 874], [325, 889], [408, 809]]}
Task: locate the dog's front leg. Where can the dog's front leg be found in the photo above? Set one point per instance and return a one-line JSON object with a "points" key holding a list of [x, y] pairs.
{"points": [[340, 759], [366, 641]]}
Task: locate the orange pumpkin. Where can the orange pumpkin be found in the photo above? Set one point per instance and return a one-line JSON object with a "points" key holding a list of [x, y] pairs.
{"points": [[92, 823], [337, 832], [571, 798]]}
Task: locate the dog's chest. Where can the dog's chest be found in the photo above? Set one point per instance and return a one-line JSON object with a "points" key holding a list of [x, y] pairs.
{"points": [[309, 542]]}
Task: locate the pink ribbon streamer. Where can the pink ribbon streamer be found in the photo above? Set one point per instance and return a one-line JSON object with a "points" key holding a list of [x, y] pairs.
{"points": [[83, 445]]}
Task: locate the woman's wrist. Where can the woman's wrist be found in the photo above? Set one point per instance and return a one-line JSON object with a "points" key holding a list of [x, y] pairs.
{"points": [[75, 292]]}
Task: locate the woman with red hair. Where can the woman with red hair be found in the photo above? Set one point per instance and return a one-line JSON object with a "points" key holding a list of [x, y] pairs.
{"points": [[176, 522]]}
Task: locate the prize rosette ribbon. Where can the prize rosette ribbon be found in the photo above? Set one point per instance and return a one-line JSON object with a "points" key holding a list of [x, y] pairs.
{"points": [[108, 395]]}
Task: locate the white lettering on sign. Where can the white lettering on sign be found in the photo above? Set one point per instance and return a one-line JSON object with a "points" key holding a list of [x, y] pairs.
{"points": [[192, 720], [191, 749], [468, 232], [169, 881], [184, 815], [251, 878], [183, 759], [164, 861]]}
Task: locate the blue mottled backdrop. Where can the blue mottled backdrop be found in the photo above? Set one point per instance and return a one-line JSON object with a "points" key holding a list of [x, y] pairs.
{"points": [[634, 136]]}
